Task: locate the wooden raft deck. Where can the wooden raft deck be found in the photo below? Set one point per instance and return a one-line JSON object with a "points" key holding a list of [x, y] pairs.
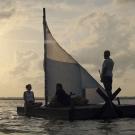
{"points": [[108, 110], [79, 113]]}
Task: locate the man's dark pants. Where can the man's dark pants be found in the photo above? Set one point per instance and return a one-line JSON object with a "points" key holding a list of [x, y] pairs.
{"points": [[107, 81]]}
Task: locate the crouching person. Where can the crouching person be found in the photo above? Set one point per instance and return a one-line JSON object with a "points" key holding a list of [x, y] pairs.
{"points": [[29, 99], [61, 98]]}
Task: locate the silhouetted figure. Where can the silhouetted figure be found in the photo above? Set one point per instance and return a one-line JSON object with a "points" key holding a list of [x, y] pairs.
{"points": [[61, 96], [106, 74], [29, 99]]}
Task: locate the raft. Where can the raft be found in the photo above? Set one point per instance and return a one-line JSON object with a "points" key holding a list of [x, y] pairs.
{"points": [[79, 113], [61, 67]]}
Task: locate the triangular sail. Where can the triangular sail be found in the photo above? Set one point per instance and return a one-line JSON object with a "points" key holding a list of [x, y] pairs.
{"points": [[62, 68]]}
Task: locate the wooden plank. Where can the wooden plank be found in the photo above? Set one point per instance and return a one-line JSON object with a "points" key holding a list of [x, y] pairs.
{"points": [[102, 94], [105, 97], [115, 93], [109, 110]]}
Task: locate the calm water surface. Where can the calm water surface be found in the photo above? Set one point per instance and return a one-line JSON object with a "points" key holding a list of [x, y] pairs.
{"points": [[11, 123]]}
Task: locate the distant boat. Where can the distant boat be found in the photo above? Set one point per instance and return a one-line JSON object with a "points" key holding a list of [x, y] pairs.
{"points": [[60, 67]]}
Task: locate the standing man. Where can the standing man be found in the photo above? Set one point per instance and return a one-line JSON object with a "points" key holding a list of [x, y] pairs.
{"points": [[106, 74]]}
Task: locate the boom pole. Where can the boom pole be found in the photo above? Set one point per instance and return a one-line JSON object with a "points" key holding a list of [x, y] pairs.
{"points": [[45, 56]]}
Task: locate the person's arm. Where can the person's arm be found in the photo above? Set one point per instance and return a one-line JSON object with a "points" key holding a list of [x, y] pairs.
{"points": [[24, 96], [56, 93], [33, 96], [104, 69]]}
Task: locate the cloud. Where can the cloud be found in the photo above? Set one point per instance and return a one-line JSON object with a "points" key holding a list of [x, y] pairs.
{"points": [[88, 27], [124, 1], [28, 69], [99, 3], [7, 14], [26, 63], [124, 7], [25, 34], [8, 9], [99, 31]]}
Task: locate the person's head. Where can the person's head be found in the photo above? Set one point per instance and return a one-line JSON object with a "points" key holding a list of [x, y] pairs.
{"points": [[106, 54], [59, 86], [28, 87]]}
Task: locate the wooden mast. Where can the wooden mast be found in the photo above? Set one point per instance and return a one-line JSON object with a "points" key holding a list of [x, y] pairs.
{"points": [[45, 56]]}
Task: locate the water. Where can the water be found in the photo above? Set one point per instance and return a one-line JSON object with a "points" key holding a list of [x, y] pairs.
{"points": [[11, 123]]}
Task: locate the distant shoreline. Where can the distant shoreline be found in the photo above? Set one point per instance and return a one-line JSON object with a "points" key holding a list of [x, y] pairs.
{"points": [[42, 98], [19, 98]]}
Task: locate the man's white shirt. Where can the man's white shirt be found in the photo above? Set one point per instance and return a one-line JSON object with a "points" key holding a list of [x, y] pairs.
{"points": [[108, 64]]}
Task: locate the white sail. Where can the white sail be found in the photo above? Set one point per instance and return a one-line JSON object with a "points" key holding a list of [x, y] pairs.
{"points": [[62, 68]]}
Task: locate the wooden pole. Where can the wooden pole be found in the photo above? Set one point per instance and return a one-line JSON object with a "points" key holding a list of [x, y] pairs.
{"points": [[45, 56]]}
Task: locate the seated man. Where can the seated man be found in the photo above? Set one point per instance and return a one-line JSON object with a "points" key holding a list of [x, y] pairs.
{"points": [[29, 98], [61, 96]]}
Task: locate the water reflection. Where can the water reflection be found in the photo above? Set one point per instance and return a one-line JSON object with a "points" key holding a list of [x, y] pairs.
{"points": [[11, 123]]}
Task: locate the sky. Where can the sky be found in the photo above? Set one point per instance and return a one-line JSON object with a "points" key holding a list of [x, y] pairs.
{"points": [[84, 28]]}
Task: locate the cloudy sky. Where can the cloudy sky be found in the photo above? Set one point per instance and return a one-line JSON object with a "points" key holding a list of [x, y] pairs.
{"points": [[84, 28]]}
